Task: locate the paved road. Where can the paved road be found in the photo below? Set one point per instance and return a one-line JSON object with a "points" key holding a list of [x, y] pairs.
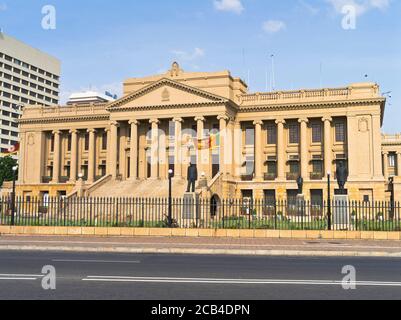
{"points": [[181, 277]]}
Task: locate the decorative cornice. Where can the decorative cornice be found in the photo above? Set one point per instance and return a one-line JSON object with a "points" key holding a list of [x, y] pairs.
{"points": [[308, 105], [166, 107], [65, 119]]}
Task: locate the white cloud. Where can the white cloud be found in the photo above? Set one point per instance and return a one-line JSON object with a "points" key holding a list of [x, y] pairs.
{"points": [[361, 6], [229, 5], [273, 26], [189, 56], [310, 8]]}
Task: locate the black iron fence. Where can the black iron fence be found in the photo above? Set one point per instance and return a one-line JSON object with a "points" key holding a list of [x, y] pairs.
{"points": [[201, 213]]}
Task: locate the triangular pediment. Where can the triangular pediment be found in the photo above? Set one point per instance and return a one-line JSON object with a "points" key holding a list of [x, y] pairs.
{"points": [[166, 92]]}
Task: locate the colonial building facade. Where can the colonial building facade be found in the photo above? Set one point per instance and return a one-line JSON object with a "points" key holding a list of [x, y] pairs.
{"points": [[245, 145]]}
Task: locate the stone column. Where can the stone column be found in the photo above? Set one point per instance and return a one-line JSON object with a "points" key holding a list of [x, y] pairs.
{"points": [[92, 155], [177, 148], [57, 154], [399, 164], [223, 128], [74, 156], [113, 149], [258, 150], [385, 165], [328, 154], [304, 142], [201, 161], [280, 149], [134, 150], [155, 149]]}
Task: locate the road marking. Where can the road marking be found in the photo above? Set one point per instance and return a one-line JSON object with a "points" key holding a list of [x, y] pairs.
{"points": [[238, 281], [94, 261], [23, 277]]}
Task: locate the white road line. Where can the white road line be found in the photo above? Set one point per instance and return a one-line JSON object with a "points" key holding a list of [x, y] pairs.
{"points": [[21, 275], [237, 281], [94, 261], [24, 279]]}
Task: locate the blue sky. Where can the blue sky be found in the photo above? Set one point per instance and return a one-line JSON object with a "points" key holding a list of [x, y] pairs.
{"points": [[101, 43]]}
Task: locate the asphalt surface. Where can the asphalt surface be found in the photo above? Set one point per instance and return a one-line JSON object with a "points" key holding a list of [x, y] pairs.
{"points": [[189, 277]]}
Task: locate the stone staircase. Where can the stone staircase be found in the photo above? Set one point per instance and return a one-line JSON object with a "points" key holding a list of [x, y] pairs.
{"points": [[140, 188]]}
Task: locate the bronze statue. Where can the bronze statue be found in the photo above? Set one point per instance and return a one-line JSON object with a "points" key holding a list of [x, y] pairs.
{"points": [[300, 183], [192, 177], [342, 176]]}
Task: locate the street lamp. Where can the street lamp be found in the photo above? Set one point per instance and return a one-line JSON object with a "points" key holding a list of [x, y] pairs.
{"points": [[170, 217], [328, 201], [15, 168]]}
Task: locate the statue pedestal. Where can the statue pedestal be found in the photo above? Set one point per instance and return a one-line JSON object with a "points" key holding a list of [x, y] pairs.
{"points": [[190, 210], [341, 218]]}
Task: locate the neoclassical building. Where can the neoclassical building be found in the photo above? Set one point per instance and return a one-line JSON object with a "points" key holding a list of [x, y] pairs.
{"points": [[244, 144]]}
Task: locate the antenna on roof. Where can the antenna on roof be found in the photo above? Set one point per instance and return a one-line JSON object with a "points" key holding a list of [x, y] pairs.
{"points": [[321, 75], [273, 76]]}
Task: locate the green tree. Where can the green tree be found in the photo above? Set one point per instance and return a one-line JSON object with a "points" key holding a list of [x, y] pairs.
{"points": [[6, 169]]}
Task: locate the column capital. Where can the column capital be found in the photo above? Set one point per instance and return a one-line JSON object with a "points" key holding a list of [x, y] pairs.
{"points": [[200, 118], [303, 120], [258, 122], [280, 121], [91, 130], [223, 117], [114, 123], [133, 121], [73, 131], [56, 132], [327, 118], [154, 121], [178, 120], [385, 153]]}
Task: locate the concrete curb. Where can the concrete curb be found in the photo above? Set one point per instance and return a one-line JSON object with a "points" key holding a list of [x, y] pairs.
{"points": [[195, 251]]}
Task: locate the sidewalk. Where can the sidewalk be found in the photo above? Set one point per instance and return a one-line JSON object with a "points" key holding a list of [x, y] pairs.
{"points": [[188, 245]]}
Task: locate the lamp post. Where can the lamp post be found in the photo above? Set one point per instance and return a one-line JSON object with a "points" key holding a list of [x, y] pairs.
{"points": [[15, 168], [170, 217], [328, 201]]}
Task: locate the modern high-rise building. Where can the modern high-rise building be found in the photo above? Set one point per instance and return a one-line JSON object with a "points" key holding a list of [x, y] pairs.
{"points": [[27, 76]]}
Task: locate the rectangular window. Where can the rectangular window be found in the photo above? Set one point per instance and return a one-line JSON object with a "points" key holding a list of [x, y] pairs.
{"points": [[250, 136], [271, 134], [340, 132], [104, 141], [293, 133], [316, 133], [69, 143], [318, 167], [391, 160], [171, 129], [294, 167], [86, 142], [250, 165]]}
